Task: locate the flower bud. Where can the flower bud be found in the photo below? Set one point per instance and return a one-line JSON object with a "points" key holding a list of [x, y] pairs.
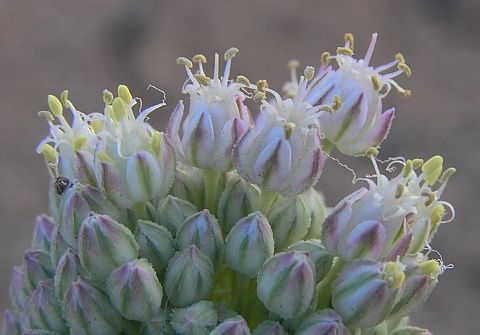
{"points": [[188, 185], [321, 258], [104, 244], [289, 219], [67, 271], [232, 326], [160, 325], [59, 246], [88, 310], [42, 233], [380, 329], [324, 322], [248, 244], [286, 283], [73, 210], [10, 325], [237, 201], [315, 203], [410, 331], [38, 266], [202, 229], [189, 277], [19, 289], [44, 309], [156, 244], [364, 292], [197, 319], [172, 212], [135, 291], [269, 327]]}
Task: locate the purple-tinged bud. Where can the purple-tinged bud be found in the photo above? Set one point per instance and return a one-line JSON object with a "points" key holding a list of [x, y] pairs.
{"points": [[156, 244], [249, 244], [88, 310], [68, 269], [202, 229], [237, 201], [73, 210], [289, 219], [325, 322], [322, 259], [84, 171], [44, 310], [10, 325], [189, 277], [315, 202], [104, 244], [135, 291], [365, 241], [232, 326], [286, 283], [59, 246], [172, 212], [380, 329], [42, 233], [189, 185], [198, 319], [38, 266], [410, 331], [269, 327], [19, 289], [365, 292]]}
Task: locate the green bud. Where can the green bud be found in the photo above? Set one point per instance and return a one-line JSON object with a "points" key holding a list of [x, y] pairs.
{"points": [[189, 277], [88, 310], [19, 290], [38, 266], [59, 246], [42, 233], [381, 329], [315, 202], [104, 244], [188, 184], [135, 291], [286, 283], [290, 220], [73, 210], [159, 325], [248, 244], [198, 319], [233, 326], [323, 259], [325, 322], [172, 212], [10, 325], [67, 271], [269, 327]]}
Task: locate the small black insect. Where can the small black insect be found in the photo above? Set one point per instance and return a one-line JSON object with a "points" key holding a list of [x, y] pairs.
{"points": [[61, 184]]}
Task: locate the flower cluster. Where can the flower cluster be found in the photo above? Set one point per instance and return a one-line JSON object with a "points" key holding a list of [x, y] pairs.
{"points": [[214, 226]]}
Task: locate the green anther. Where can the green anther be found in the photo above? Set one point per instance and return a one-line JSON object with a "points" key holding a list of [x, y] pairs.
{"points": [[202, 79], [107, 96], [417, 163], [124, 93], [392, 273], [400, 191], [184, 61], [407, 168], [431, 197], [55, 105], [376, 82], [49, 153], [119, 109], [437, 214], [230, 53], [309, 72], [431, 268], [243, 80], [432, 169], [344, 51], [79, 142], [259, 96], [96, 125], [46, 114], [155, 144], [64, 98], [199, 58], [447, 174], [104, 157]]}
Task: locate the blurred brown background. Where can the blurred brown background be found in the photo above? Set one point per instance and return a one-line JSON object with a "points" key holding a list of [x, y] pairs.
{"points": [[49, 46]]}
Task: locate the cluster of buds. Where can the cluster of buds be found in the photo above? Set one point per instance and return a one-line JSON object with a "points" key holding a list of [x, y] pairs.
{"points": [[214, 227]]}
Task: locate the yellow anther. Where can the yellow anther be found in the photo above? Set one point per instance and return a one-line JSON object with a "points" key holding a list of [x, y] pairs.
{"points": [[417, 163], [111, 113], [124, 93], [431, 268], [447, 174], [400, 191], [407, 168], [242, 80], [309, 72], [262, 85], [376, 82], [325, 58], [337, 103], [344, 51], [230, 53], [202, 79], [293, 64], [199, 58], [399, 57], [49, 153], [432, 169], [107, 96], [437, 214], [288, 128], [104, 157], [405, 93], [371, 152], [184, 61], [155, 144], [64, 98], [55, 105], [431, 197], [259, 96], [46, 114], [79, 142], [404, 67], [349, 38], [392, 273], [96, 125], [327, 108], [119, 109]]}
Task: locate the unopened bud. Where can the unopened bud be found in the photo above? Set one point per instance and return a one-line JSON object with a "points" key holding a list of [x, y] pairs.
{"points": [[233, 326], [172, 212], [321, 258], [198, 318], [42, 233], [269, 327], [325, 322]]}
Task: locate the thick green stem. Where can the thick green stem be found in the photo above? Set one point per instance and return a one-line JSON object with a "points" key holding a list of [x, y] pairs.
{"points": [[213, 189], [324, 288]]}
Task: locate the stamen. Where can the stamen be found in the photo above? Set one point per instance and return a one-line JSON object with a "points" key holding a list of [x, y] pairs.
{"points": [[49, 153], [230, 53], [399, 57], [243, 80], [417, 163], [432, 169], [184, 61], [349, 40], [404, 67], [400, 191], [408, 168], [404, 93], [371, 152], [47, 115], [55, 105], [375, 82], [431, 197], [124, 93], [344, 51], [262, 85], [325, 59], [370, 49], [447, 174], [293, 64], [337, 103], [199, 58], [309, 72], [79, 142], [119, 109], [259, 96], [64, 98], [202, 79], [107, 97], [288, 128]]}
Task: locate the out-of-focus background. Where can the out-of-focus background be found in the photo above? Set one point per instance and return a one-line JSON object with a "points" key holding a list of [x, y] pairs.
{"points": [[87, 46]]}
